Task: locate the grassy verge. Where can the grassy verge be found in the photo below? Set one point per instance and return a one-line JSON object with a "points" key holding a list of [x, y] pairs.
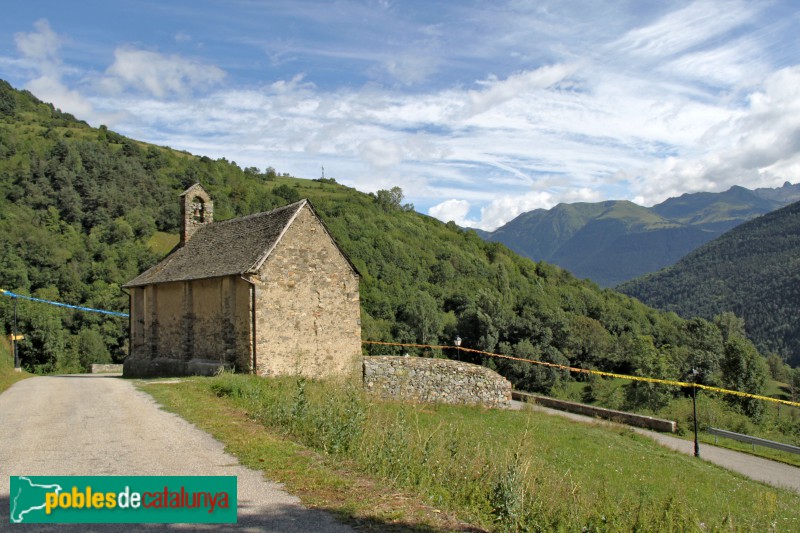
{"points": [[8, 376], [498, 470], [319, 480], [779, 423]]}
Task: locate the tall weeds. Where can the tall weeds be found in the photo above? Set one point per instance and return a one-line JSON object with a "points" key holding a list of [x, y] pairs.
{"points": [[500, 481]]}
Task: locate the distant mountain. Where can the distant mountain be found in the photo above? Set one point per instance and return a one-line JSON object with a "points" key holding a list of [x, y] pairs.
{"points": [[727, 209], [615, 241], [752, 270]]}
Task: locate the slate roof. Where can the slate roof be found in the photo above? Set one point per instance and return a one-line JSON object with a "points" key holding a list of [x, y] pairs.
{"points": [[224, 248]]}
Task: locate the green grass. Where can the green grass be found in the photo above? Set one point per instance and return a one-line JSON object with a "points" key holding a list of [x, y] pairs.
{"points": [[320, 481], [779, 423], [499, 470], [8, 376], [161, 243], [776, 389]]}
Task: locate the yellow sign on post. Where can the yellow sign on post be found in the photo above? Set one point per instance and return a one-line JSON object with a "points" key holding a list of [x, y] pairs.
{"points": [[16, 337]]}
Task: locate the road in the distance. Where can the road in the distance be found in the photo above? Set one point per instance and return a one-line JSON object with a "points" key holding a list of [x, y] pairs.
{"points": [[771, 472], [96, 425]]}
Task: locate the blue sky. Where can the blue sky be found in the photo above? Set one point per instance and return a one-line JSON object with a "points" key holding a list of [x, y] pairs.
{"points": [[478, 110]]}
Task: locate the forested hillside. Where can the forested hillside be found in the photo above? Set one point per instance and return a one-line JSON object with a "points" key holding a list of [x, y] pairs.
{"points": [[615, 241], [753, 271], [84, 210]]}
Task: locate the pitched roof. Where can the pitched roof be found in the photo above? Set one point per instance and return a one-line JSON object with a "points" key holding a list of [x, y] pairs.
{"points": [[224, 248]]}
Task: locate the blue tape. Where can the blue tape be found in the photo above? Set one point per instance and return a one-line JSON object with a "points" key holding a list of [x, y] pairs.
{"points": [[59, 304]]}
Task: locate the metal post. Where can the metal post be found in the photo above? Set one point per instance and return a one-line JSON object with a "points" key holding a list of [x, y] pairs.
{"points": [[14, 337], [457, 342], [694, 410]]}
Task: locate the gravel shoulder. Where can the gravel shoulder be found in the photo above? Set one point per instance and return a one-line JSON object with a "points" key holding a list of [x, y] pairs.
{"points": [[101, 425]]}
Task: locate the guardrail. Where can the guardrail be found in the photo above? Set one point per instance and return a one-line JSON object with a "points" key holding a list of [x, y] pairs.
{"points": [[753, 440], [631, 419]]}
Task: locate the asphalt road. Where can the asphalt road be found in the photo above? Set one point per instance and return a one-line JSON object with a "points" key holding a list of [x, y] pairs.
{"points": [[98, 425], [771, 472]]}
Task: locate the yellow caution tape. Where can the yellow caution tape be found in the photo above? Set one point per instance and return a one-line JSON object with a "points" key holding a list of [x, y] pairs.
{"points": [[596, 372]]}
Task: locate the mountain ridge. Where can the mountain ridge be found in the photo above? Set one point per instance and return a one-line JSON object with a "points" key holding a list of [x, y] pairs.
{"points": [[752, 270], [613, 241]]}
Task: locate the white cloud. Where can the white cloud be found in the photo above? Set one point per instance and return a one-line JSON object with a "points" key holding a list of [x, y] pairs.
{"points": [[41, 45], [731, 65], [502, 209], [158, 74], [758, 147], [381, 153], [563, 110], [412, 68], [40, 49], [686, 28], [568, 145], [518, 85], [453, 210], [51, 89]]}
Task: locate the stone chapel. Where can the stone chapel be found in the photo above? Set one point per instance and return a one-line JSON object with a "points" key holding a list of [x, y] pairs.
{"points": [[269, 293]]}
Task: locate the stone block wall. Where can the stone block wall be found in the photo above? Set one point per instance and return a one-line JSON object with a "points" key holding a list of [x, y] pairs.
{"points": [[197, 210], [308, 317], [631, 419], [98, 368], [425, 380]]}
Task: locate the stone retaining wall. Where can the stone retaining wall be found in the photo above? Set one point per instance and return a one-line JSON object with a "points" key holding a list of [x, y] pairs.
{"points": [[425, 380], [631, 419], [106, 369]]}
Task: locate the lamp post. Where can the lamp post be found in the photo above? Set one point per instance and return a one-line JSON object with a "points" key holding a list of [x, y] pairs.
{"points": [[15, 338], [694, 411], [457, 342]]}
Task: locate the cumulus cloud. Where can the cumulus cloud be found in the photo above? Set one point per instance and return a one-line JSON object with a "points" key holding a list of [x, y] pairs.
{"points": [[453, 210], [40, 50], [759, 147], [158, 74], [502, 209], [505, 208], [40, 45], [495, 214], [52, 89]]}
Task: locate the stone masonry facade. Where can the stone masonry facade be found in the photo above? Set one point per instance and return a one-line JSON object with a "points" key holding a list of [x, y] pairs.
{"points": [[424, 380], [269, 293], [308, 317], [197, 210]]}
